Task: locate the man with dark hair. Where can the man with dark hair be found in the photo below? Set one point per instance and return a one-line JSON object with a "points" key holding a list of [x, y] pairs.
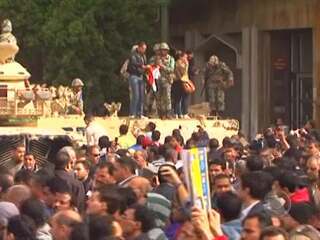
{"points": [[274, 233], [216, 166], [104, 175], [64, 165], [254, 187], [63, 199], [138, 221], [214, 152], [229, 206], [221, 184], [254, 163], [101, 226], [16, 163], [139, 143], [124, 171], [35, 209], [125, 140], [93, 154], [81, 171], [105, 200], [6, 181], [30, 162], [253, 224], [289, 183], [155, 137], [136, 68]]}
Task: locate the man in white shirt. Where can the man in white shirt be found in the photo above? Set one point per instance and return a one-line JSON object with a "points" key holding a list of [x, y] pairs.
{"points": [[93, 131]]}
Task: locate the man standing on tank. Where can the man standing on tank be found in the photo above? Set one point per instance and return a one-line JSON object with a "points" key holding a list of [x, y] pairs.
{"points": [[165, 82], [136, 68]]}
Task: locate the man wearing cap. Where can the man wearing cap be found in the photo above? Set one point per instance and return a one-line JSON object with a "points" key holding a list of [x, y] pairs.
{"points": [[218, 77], [76, 102], [165, 81]]}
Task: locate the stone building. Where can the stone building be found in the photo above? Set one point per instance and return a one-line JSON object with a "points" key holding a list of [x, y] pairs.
{"points": [[273, 47]]}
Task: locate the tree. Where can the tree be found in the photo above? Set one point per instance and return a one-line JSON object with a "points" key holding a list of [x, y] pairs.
{"points": [[63, 39]]}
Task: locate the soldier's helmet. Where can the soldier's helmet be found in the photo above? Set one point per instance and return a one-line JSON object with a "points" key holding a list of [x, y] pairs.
{"points": [[213, 60], [164, 46], [6, 26], [77, 82], [156, 47]]}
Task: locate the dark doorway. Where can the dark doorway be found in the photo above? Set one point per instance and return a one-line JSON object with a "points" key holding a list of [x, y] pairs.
{"points": [[291, 76]]}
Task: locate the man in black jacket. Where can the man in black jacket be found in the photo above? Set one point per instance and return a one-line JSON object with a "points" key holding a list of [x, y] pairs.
{"points": [[64, 164], [136, 69]]}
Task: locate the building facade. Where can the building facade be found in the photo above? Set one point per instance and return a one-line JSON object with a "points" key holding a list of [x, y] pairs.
{"points": [[273, 48]]}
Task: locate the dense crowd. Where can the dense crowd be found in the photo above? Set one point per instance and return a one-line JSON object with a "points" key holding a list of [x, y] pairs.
{"points": [[133, 187]]}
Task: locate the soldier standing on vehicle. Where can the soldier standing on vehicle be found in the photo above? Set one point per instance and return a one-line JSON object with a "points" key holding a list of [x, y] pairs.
{"points": [[76, 102], [218, 77], [151, 95], [164, 84]]}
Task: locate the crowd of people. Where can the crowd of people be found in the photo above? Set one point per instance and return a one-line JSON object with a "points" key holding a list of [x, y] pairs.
{"points": [[133, 187], [168, 81]]}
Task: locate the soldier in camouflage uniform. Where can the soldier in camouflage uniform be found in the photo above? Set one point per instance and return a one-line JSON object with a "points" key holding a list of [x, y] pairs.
{"points": [[151, 96], [164, 84], [76, 102], [218, 78]]}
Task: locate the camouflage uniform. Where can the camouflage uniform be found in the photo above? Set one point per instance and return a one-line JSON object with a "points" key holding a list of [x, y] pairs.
{"points": [[151, 95], [218, 77], [164, 87], [76, 101]]}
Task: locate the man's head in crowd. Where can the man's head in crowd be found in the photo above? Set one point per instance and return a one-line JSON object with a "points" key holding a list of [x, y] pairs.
{"points": [[65, 159], [221, 184], [274, 233], [254, 163], [229, 205], [104, 175], [142, 47], [288, 182], [62, 224], [81, 170], [105, 200], [216, 166], [313, 168], [93, 154], [253, 225], [123, 129], [23, 176], [29, 161], [62, 195], [255, 186], [213, 144], [101, 226], [137, 220], [34, 209], [19, 152], [140, 157], [124, 167], [155, 136], [141, 186], [17, 194], [6, 181], [312, 148]]}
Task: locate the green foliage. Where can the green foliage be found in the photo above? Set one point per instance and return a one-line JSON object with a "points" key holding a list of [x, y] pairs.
{"points": [[63, 39]]}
